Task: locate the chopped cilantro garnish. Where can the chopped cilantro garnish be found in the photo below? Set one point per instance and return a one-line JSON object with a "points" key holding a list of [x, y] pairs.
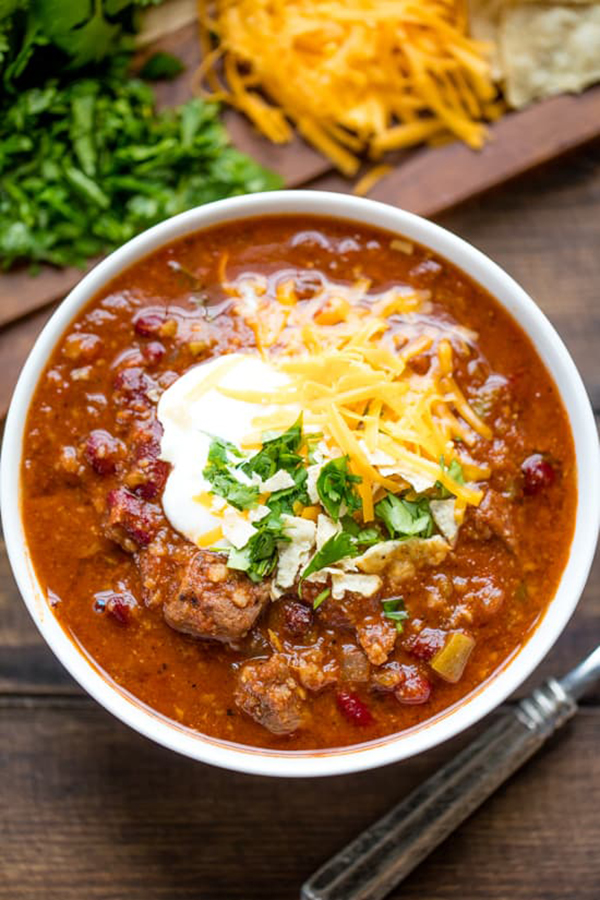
{"points": [[321, 597], [335, 486], [405, 518], [394, 609], [277, 453], [284, 501], [224, 483], [368, 535], [259, 556], [340, 546]]}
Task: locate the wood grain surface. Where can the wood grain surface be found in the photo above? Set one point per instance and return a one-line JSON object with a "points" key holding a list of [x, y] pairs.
{"points": [[90, 809]]}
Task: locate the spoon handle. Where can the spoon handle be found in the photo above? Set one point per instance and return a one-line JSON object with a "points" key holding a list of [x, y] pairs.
{"points": [[370, 866]]}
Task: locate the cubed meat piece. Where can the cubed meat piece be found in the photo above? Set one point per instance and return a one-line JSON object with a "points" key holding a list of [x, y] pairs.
{"points": [[214, 602], [315, 672], [132, 523], [161, 566], [377, 637], [409, 685], [268, 692], [494, 517]]}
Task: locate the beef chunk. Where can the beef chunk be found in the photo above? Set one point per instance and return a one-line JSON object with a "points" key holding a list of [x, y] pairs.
{"points": [[409, 685], [495, 517], [377, 637], [214, 602], [268, 692], [132, 523], [315, 672], [161, 567]]}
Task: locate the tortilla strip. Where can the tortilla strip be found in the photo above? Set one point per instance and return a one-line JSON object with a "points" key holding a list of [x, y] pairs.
{"points": [[549, 49]]}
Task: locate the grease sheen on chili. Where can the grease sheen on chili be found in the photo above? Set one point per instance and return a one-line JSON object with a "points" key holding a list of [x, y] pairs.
{"points": [[92, 438]]}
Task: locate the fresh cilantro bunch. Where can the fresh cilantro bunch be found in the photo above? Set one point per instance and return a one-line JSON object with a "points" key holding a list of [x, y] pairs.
{"points": [[86, 161], [87, 165], [56, 35]]}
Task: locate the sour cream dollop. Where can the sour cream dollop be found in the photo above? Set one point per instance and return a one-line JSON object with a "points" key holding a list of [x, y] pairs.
{"points": [[191, 412]]}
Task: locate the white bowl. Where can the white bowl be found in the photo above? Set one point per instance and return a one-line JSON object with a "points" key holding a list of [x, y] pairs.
{"points": [[327, 762]]}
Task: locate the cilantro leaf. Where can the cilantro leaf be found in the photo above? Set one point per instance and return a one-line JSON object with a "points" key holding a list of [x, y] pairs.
{"points": [[363, 535], [277, 453], [405, 518], [335, 487], [394, 609], [86, 160], [161, 66], [285, 500], [259, 556], [340, 546], [222, 478]]}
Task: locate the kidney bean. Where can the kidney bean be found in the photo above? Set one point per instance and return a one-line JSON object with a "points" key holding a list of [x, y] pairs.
{"points": [[298, 618], [118, 605], [425, 644], [148, 324], [354, 709], [149, 477], [133, 382], [103, 451], [153, 352], [538, 474], [412, 688]]}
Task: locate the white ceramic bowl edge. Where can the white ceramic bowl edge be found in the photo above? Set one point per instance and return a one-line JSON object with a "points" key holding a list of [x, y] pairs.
{"points": [[551, 350]]}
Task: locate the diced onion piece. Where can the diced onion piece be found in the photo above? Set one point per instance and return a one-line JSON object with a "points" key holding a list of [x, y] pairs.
{"points": [[450, 661]]}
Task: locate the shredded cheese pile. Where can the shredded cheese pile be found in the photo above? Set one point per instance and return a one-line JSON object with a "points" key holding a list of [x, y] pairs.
{"points": [[347, 361], [351, 75]]}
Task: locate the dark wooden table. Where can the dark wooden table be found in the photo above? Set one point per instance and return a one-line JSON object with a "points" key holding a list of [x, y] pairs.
{"points": [[91, 811]]}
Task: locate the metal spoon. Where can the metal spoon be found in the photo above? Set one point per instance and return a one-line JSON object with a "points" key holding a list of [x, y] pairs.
{"points": [[371, 865]]}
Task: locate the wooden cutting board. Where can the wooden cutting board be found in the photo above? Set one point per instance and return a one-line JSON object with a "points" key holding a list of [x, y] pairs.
{"points": [[427, 181]]}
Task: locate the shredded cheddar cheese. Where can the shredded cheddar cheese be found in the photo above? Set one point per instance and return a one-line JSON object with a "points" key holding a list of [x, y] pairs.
{"points": [[350, 75], [396, 426]]}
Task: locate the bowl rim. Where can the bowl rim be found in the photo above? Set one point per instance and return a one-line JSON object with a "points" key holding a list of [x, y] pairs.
{"points": [[471, 709]]}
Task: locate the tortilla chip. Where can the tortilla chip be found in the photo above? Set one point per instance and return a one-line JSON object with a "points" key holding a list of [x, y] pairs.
{"points": [[548, 49], [402, 558], [484, 24]]}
